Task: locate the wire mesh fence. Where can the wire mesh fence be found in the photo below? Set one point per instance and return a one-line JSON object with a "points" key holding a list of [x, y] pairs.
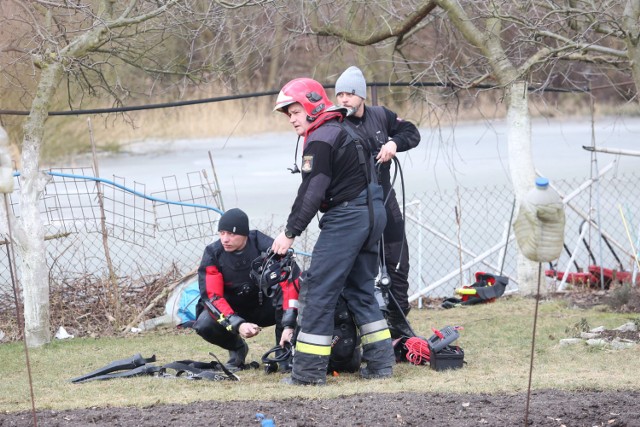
{"points": [[99, 229], [452, 235]]}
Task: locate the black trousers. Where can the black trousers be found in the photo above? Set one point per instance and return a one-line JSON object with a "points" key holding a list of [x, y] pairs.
{"points": [[344, 260], [262, 315], [396, 254]]}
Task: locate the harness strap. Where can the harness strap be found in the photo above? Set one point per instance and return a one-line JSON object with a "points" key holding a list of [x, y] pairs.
{"points": [[213, 371], [367, 166], [368, 170]]}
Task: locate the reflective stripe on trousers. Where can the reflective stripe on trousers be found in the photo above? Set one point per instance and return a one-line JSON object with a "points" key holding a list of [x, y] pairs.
{"points": [[374, 332], [341, 263], [319, 345]]}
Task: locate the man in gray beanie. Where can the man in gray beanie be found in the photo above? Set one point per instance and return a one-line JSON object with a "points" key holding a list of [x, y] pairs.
{"points": [[352, 82], [388, 134]]}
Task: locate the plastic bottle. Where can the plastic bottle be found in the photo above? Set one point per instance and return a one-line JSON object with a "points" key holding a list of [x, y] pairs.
{"points": [[539, 226]]}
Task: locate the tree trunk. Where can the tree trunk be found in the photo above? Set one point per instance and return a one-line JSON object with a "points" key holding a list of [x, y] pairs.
{"points": [[30, 231], [6, 179], [631, 28], [275, 53], [521, 169], [634, 59]]}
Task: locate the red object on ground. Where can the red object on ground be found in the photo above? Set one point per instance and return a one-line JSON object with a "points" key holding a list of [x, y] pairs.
{"points": [[592, 276]]}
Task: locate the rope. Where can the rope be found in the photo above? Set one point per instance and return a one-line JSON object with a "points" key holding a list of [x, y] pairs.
{"points": [[533, 346], [417, 351]]}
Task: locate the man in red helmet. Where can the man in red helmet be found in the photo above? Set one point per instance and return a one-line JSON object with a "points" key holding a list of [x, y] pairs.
{"points": [[338, 179]]}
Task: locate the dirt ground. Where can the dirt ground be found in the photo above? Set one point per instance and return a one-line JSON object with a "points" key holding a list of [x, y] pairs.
{"points": [[546, 408]]}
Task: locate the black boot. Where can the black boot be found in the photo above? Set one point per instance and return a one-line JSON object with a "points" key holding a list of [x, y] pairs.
{"points": [[399, 325], [380, 359], [309, 369], [238, 356], [372, 374]]}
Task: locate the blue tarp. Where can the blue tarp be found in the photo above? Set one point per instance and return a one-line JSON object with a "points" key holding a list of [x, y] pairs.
{"points": [[188, 301]]}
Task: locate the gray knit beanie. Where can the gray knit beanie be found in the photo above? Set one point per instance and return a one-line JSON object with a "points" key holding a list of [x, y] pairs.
{"points": [[234, 221], [352, 81]]}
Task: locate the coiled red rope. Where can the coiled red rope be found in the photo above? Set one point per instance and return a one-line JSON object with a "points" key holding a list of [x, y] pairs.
{"points": [[417, 351]]}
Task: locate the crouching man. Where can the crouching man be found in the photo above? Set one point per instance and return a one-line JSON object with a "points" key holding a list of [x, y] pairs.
{"points": [[237, 307]]}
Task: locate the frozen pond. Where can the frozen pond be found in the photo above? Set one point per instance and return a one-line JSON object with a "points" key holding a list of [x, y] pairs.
{"points": [[252, 171]]}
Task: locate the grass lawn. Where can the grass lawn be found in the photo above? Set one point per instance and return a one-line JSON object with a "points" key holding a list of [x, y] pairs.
{"points": [[496, 340]]}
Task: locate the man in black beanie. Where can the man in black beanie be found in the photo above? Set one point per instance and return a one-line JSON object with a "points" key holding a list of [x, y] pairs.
{"points": [[234, 221], [225, 281]]}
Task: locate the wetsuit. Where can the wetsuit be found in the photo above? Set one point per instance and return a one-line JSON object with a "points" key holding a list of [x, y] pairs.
{"points": [[225, 278]]}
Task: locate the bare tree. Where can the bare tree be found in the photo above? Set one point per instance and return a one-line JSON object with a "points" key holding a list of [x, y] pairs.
{"points": [[537, 41], [506, 43], [94, 47], [494, 62], [605, 33]]}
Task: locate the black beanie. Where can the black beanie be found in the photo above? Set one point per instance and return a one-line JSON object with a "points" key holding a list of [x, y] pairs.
{"points": [[234, 221]]}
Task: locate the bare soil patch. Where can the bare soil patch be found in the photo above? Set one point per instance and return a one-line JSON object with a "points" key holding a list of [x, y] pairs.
{"points": [[622, 299], [546, 408]]}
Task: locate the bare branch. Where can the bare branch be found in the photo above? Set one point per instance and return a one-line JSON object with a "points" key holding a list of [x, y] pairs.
{"points": [[389, 30], [230, 5], [589, 47], [124, 21]]}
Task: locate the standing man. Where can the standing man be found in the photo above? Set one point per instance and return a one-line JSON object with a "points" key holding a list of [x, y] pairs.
{"points": [[337, 179], [388, 134], [239, 308]]}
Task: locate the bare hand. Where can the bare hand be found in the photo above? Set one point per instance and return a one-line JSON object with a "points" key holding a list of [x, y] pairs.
{"points": [[387, 152], [287, 336], [281, 244], [248, 330]]}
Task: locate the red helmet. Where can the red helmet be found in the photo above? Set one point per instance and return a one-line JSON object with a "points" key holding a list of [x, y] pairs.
{"points": [[308, 92]]}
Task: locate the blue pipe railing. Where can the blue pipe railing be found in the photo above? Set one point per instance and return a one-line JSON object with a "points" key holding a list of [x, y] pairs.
{"points": [[139, 194]]}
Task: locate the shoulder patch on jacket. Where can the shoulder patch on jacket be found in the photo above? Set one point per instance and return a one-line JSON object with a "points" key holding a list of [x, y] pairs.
{"points": [[307, 164]]}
